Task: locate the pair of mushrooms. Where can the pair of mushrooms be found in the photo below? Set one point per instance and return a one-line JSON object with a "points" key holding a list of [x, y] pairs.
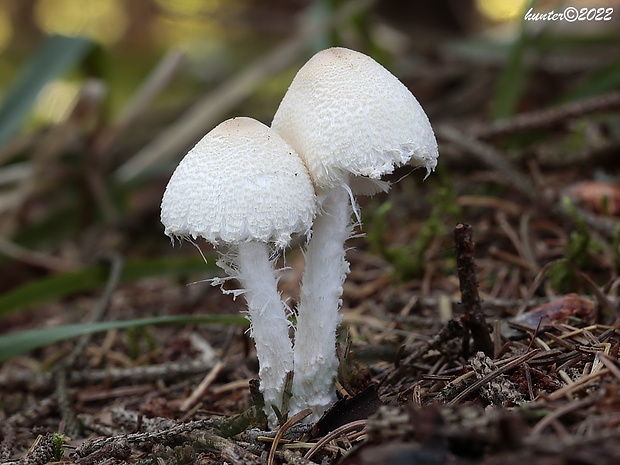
{"points": [[343, 123]]}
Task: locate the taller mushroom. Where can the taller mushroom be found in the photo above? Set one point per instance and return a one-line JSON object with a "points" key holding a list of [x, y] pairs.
{"points": [[351, 121], [243, 187]]}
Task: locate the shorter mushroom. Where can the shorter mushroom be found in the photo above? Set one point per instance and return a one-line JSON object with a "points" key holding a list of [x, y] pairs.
{"points": [[244, 187]]}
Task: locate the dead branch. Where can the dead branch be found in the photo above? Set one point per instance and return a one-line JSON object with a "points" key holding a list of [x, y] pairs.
{"points": [[473, 318], [545, 117]]}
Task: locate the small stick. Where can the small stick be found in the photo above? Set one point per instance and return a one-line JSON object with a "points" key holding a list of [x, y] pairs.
{"points": [[202, 387], [530, 384], [465, 265]]}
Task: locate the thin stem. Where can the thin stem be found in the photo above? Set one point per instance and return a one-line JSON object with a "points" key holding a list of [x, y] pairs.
{"points": [[316, 363], [269, 323]]}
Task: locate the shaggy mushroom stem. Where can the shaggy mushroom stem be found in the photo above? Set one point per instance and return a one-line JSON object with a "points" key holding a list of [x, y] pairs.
{"points": [[347, 117], [243, 186], [316, 363], [269, 322]]}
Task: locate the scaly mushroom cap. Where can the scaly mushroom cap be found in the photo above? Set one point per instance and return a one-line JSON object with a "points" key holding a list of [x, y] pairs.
{"points": [[240, 183], [345, 114]]}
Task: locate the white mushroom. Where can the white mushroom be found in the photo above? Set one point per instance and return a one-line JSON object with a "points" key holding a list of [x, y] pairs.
{"points": [[244, 187], [351, 121]]}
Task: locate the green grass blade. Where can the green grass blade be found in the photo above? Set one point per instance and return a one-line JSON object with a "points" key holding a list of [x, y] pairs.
{"points": [[66, 284], [513, 77], [12, 345], [56, 55]]}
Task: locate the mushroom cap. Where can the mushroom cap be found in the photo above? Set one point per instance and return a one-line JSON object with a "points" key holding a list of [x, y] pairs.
{"points": [[241, 182], [345, 114]]}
